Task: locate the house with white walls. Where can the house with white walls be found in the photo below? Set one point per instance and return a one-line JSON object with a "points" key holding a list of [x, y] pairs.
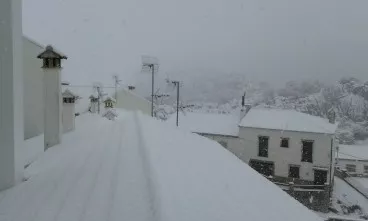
{"points": [[68, 111], [222, 128], [128, 100], [353, 159], [288, 145]]}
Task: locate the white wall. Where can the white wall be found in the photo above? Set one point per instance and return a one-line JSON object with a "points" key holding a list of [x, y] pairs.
{"points": [[130, 101], [68, 119], [283, 157], [359, 165], [11, 95], [53, 106], [33, 89]]}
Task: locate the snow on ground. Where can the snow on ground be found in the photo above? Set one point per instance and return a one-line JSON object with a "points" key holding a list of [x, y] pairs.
{"points": [[362, 181], [208, 123], [286, 120], [32, 148], [347, 196], [136, 168]]}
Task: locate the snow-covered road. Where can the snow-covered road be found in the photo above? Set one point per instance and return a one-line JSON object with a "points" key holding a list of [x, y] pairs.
{"points": [[140, 169], [101, 177]]}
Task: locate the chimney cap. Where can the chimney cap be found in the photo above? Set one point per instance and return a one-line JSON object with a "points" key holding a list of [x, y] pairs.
{"points": [[51, 53]]}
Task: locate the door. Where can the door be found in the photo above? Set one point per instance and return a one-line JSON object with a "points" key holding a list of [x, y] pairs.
{"points": [[320, 177], [263, 167]]}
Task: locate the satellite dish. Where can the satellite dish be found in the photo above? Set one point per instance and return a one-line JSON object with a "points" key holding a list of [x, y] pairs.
{"points": [[149, 60]]}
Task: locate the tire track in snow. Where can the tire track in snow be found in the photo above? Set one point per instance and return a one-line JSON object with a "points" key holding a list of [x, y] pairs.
{"points": [[154, 198]]}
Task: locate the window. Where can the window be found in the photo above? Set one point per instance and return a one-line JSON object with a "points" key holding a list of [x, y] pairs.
{"points": [[284, 142], [223, 143], [350, 168], [294, 171], [365, 168], [263, 146], [307, 151], [263, 167]]}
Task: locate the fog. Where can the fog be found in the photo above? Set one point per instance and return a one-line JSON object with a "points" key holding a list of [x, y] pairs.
{"points": [[269, 40]]}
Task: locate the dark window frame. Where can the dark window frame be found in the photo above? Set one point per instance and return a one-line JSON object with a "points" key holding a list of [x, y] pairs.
{"points": [[285, 139], [294, 174], [307, 156], [352, 168], [263, 150]]}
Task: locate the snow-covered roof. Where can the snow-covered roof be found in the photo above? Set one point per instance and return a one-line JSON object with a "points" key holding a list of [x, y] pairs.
{"points": [[207, 123], [125, 170], [288, 120], [68, 93], [110, 99], [353, 152]]}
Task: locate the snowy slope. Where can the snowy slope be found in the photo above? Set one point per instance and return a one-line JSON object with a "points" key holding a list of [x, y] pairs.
{"points": [[348, 196], [197, 179], [139, 169]]}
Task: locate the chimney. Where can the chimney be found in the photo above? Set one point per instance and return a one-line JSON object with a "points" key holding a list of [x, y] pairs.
{"points": [[52, 95], [130, 87], [331, 115]]}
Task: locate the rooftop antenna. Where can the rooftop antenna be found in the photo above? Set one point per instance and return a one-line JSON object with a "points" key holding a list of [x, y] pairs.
{"points": [[152, 64]]}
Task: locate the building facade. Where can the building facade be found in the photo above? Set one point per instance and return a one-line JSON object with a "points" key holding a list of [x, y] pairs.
{"points": [[353, 159], [288, 146]]}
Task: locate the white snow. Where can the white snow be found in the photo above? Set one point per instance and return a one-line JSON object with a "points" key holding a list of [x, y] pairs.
{"points": [[288, 120], [349, 196], [137, 168], [362, 181], [32, 149], [208, 123], [353, 152]]}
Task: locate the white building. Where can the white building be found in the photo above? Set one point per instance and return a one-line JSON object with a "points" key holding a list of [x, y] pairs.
{"points": [[222, 128], [288, 145], [68, 119], [128, 100], [353, 159]]}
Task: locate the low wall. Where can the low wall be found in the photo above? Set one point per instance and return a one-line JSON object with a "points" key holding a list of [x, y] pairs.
{"points": [[314, 197], [32, 148]]}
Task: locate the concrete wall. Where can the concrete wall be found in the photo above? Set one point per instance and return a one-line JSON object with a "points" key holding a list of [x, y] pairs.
{"points": [[130, 101], [53, 106], [11, 95], [68, 119], [359, 166], [33, 90], [284, 157]]}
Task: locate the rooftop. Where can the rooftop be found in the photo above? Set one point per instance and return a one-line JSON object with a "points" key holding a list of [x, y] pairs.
{"points": [[124, 170], [287, 120], [207, 123], [353, 152]]}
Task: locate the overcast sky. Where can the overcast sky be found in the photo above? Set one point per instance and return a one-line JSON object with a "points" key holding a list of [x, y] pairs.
{"points": [[274, 40]]}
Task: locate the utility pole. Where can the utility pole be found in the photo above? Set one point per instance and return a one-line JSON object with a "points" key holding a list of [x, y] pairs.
{"points": [[117, 82], [98, 99], [177, 85], [153, 85]]}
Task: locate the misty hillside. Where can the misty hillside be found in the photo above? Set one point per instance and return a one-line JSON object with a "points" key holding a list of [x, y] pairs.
{"points": [[348, 98]]}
